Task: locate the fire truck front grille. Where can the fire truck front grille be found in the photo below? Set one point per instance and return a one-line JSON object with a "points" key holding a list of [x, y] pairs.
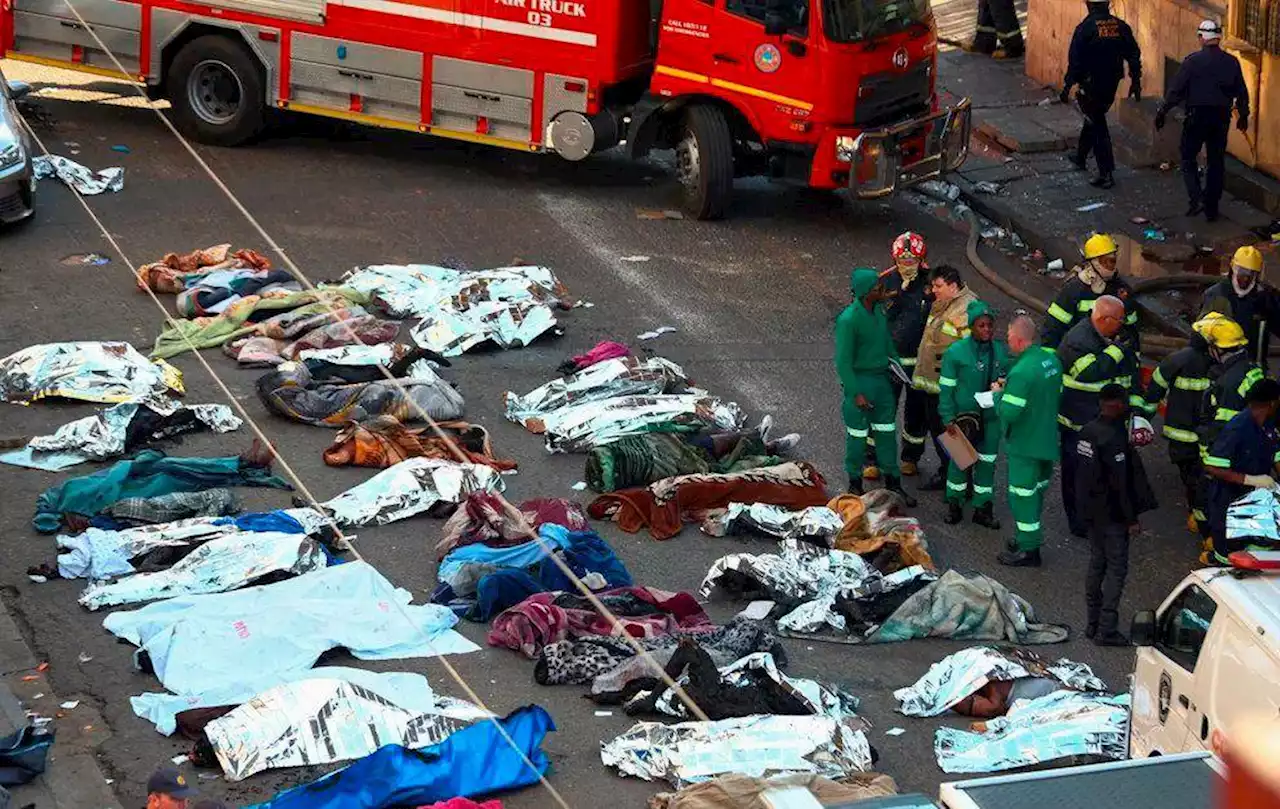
{"points": [[886, 98]]}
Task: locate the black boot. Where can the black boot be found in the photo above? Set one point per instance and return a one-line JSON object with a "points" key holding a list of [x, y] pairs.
{"points": [[982, 515], [936, 483], [1111, 637], [1104, 181], [894, 484], [855, 486], [1077, 161], [955, 513], [1195, 208], [1091, 629], [1019, 558]]}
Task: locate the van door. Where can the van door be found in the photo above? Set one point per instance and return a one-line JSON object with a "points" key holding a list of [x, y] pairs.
{"points": [[1165, 674], [1243, 669]]}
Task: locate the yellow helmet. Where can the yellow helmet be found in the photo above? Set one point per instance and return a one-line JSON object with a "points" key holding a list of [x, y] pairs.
{"points": [[1220, 331], [1099, 244], [1248, 258]]}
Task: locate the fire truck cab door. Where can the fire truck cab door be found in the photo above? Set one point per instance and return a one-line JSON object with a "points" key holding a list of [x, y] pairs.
{"points": [[771, 73]]}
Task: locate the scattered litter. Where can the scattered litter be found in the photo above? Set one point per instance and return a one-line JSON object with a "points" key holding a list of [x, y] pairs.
{"points": [[658, 332], [1165, 166], [579, 486], [208, 776], [109, 781], [43, 666], [84, 180], [38, 696], [1054, 266], [604, 713], [38, 579], [181, 759], [757, 610], [1139, 220], [654, 213], [986, 187], [70, 705], [1044, 102], [84, 658], [86, 259], [30, 678], [940, 189], [121, 148], [894, 732], [1092, 206], [1154, 234], [634, 258]]}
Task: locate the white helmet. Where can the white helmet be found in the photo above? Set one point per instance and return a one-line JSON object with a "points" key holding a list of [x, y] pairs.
{"points": [[1141, 433], [1209, 31]]}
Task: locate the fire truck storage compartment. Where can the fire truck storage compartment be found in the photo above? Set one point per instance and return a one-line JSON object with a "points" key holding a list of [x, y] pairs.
{"points": [[49, 28], [357, 77], [462, 92]]}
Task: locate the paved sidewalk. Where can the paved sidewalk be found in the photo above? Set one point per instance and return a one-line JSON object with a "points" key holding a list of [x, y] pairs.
{"points": [[73, 779], [1017, 175]]}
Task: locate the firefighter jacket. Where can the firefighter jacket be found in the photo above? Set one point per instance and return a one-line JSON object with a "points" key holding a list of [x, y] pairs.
{"points": [[969, 367], [1225, 397], [947, 323], [1089, 363], [1100, 47], [1075, 303], [1111, 483], [907, 312], [1258, 313], [863, 344], [1028, 405], [1181, 382]]}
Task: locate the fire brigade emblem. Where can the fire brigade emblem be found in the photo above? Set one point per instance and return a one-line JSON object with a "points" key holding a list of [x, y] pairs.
{"points": [[900, 58], [768, 58]]}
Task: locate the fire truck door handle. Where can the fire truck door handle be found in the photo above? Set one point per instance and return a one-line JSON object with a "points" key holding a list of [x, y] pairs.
{"points": [[796, 48], [69, 24], [724, 57], [351, 74], [1183, 701]]}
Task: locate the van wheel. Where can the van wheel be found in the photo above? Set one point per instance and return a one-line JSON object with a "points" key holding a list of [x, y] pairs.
{"points": [[217, 89], [704, 162]]}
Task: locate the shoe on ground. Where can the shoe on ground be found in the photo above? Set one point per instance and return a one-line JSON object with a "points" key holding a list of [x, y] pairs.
{"points": [[789, 442], [1211, 216], [955, 513], [971, 47], [894, 485], [1090, 630], [1103, 181], [1111, 638], [1019, 558], [909, 469], [1008, 53], [1195, 209], [1077, 162], [871, 472], [984, 516], [766, 424], [935, 484], [855, 486]]}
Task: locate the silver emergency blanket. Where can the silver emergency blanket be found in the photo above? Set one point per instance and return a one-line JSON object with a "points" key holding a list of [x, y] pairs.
{"points": [[219, 565], [255, 636], [410, 487], [754, 745], [84, 180], [815, 524], [609, 379], [102, 435], [1040, 731], [580, 428], [458, 310], [358, 354], [820, 699], [317, 721], [100, 554], [1255, 517], [816, 576], [87, 371], [956, 676]]}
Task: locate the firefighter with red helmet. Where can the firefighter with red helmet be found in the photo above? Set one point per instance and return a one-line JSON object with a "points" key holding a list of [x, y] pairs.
{"points": [[907, 307]]}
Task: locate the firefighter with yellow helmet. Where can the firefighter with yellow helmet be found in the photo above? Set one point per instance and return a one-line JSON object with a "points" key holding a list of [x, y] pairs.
{"points": [[1231, 379], [1243, 297], [1096, 276]]}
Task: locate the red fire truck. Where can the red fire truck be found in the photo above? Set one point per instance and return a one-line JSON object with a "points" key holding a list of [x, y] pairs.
{"points": [[825, 93]]}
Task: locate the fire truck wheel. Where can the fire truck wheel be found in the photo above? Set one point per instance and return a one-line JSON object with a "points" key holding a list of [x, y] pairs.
{"points": [[216, 88], [704, 162]]}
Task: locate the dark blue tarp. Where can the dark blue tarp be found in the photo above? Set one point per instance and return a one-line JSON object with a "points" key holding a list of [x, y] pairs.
{"points": [[477, 760]]}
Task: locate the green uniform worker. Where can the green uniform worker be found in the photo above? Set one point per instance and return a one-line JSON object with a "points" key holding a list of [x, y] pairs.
{"points": [[969, 367], [864, 348], [1027, 406]]}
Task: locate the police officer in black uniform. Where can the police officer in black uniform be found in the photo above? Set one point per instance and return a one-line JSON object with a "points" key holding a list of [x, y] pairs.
{"points": [[1100, 47], [1209, 83]]}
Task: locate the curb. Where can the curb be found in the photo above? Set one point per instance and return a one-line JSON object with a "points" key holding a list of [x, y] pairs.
{"points": [[991, 207], [73, 779]]}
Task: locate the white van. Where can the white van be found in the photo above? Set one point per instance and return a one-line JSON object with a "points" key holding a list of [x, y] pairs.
{"points": [[1208, 658]]}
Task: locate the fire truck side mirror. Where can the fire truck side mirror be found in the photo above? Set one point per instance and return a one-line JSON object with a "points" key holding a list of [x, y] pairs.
{"points": [[1142, 632]]}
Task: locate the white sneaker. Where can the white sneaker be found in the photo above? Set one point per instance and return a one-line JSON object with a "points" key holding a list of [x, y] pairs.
{"points": [[766, 424], [785, 444]]}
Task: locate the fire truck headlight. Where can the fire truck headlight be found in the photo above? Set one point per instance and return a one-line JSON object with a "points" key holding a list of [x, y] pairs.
{"points": [[844, 149]]}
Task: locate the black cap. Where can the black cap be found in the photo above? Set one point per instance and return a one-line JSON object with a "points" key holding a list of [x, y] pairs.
{"points": [[168, 781]]}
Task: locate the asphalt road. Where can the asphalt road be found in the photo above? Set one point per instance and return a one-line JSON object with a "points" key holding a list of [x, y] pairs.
{"points": [[753, 300]]}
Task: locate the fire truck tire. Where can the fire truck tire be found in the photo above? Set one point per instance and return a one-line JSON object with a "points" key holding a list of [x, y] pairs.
{"points": [[704, 162], [216, 89]]}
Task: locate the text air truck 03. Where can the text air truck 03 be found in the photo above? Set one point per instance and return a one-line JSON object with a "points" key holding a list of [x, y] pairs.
{"points": [[823, 93]]}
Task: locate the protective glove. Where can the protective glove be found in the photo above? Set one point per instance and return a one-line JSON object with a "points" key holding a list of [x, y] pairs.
{"points": [[1135, 89], [1260, 481], [1242, 123], [1160, 116], [1065, 95]]}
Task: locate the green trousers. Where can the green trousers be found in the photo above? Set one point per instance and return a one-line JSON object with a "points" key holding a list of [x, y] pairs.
{"points": [[981, 475], [1028, 479], [881, 420]]}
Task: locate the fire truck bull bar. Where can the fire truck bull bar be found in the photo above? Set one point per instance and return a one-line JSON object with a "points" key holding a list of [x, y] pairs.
{"points": [[938, 143]]}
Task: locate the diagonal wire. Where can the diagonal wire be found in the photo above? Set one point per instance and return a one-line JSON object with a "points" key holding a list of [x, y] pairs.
{"points": [[512, 512], [471, 694]]}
